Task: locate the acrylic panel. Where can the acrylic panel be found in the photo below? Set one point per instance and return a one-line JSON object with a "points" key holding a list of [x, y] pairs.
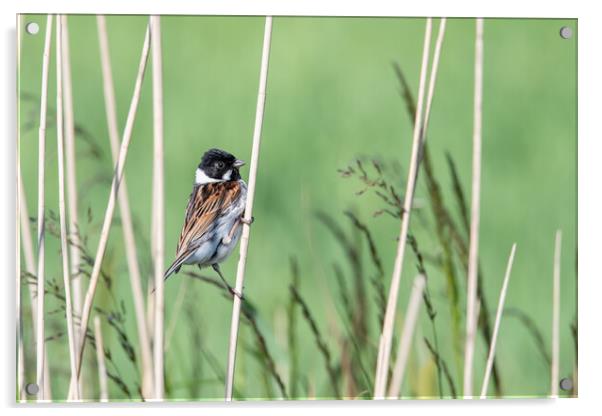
{"points": [[404, 225]]}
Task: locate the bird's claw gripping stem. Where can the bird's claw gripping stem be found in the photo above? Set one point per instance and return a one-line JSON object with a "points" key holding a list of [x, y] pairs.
{"points": [[248, 222]]}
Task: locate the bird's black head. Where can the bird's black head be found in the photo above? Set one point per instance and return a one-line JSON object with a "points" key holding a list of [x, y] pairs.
{"points": [[216, 166]]}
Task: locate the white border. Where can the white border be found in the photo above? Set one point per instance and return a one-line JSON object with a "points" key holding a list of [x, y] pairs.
{"points": [[508, 8], [590, 209]]}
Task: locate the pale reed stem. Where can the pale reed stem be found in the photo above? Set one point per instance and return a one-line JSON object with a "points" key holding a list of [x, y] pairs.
{"points": [[125, 214], [498, 319], [405, 343], [108, 219], [72, 201], [158, 204], [100, 359], [433, 76], [556, 318], [74, 254], [26, 240], [62, 210], [244, 240], [395, 388], [471, 295], [30, 267], [380, 378], [40, 335], [150, 314]]}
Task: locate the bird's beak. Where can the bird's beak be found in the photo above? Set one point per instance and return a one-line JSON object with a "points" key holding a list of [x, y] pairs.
{"points": [[238, 163]]}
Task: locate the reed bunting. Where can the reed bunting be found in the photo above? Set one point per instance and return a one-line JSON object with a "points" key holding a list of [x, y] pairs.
{"points": [[212, 225]]}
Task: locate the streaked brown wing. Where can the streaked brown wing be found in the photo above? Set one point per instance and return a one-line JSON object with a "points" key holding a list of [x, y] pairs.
{"points": [[206, 203]]}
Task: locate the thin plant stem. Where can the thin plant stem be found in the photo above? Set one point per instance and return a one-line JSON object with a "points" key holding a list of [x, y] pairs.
{"points": [[292, 344], [498, 319], [150, 312], [430, 311], [40, 343], [463, 249], [108, 219], [556, 317], [158, 206], [407, 334], [249, 312], [471, 295], [71, 172], [244, 240], [26, 239], [30, 267], [443, 366], [125, 214], [100, 359], [433, 76], [62, 210], [386, 337]]}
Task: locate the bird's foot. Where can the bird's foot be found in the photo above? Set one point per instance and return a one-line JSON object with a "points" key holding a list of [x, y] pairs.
{"points": [[227, 286], [235, 292], [248, 222]]}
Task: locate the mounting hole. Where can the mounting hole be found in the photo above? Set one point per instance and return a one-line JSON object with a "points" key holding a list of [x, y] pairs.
{"points": [[32, 389], [566, 384], [566, 32], [32, 28]]}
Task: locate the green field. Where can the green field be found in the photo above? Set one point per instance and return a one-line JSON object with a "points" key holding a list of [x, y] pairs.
{"points": [[333, 97]]}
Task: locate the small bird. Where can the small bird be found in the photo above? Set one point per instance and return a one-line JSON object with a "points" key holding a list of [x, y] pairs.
{"points": [[214, 214]]}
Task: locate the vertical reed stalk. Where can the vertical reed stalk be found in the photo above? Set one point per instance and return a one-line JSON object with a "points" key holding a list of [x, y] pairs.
{"points": [[71, 172], [30, 268], [471, 296], [556, 318], [100, 359], [244, 240], [26, 245], [125, 214], [108, 219], [26, 240], [496, 327], [419, 136], [62, 210], [40, 335], [150, 312], [158, 203], [407, 334], [72, 205], [433, 76]]}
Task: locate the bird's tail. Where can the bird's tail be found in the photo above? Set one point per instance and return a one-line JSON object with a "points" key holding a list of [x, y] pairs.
{"points": [[174, 268]]}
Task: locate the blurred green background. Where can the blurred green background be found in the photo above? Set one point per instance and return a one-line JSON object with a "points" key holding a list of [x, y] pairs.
{"points": [[332, 97]]}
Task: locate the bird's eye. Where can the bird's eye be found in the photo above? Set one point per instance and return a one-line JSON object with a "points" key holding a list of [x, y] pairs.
{"points": [[220, 165]]}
